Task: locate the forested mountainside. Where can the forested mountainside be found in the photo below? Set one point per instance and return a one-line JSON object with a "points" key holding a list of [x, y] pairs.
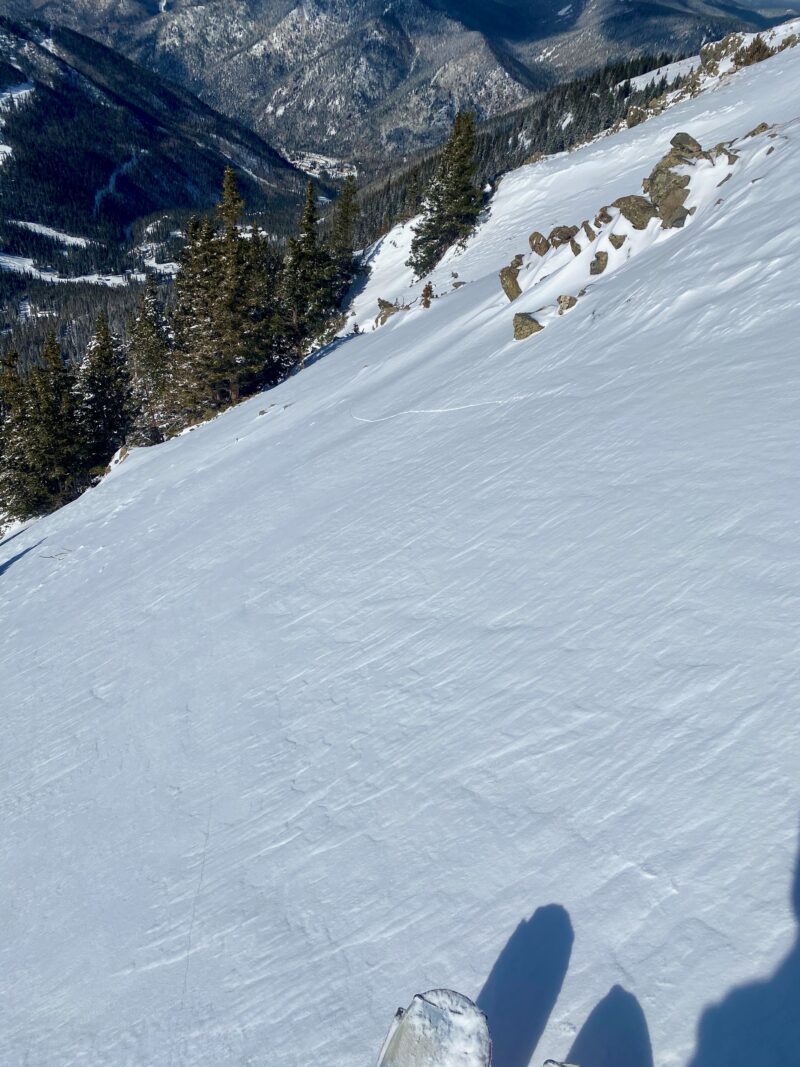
{"points": [[101, 164], [93, 142], [363, 78]]}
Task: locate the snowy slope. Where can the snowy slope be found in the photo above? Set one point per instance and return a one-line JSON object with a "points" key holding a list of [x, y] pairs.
{"points": [[312, 708]]}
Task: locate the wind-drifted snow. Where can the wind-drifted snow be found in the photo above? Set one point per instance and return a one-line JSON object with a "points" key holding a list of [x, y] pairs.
{"points": [[312, 708]]}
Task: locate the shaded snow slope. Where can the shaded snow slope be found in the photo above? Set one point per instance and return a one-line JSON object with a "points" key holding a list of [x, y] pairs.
{"points": [[312, 708]]}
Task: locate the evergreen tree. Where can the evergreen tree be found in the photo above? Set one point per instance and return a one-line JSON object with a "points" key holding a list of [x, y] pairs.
{"points": [[57, 452], [42, 461], [453, 202], [103, 391], [308, 284], [261, 320], [149, 368], [17, 493], [235, 359], [191, 396], [343, 237], [231, 208]]}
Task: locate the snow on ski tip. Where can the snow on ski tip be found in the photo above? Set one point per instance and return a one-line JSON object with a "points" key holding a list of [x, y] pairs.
{"points": [[440, 1028]]}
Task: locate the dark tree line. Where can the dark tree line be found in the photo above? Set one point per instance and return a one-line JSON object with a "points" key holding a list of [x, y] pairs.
{"points": [[241, 318]]}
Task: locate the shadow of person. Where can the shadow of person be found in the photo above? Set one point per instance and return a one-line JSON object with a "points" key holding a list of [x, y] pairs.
{"points": [[614, 1035], [524, 983], [757, 1025]]}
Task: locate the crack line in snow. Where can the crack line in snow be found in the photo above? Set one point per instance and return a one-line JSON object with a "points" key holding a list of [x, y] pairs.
{"points": [[443, 411]]}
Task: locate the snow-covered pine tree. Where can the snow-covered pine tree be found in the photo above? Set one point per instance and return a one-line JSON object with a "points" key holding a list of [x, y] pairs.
{"points": [[103, 394], [149, 367], [453, 202]]}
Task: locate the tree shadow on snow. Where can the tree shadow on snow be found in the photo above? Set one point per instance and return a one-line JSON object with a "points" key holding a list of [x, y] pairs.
{"points": [[614, 1035], [759, 1023], [9, 563], [524, 984]]}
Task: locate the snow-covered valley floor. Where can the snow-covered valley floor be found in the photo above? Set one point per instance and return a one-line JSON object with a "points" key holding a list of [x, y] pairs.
{"points": [[453, 661]]}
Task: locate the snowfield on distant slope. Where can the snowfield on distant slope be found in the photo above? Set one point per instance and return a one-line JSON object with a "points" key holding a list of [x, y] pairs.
{"points": [[455, 661]]}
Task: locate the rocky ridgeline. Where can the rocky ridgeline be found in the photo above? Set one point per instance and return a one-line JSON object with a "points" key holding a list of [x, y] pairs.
{"points": [[732, 53], [666, 191]]}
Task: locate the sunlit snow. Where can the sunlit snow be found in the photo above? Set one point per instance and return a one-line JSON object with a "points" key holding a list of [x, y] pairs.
{"points": [[454, 662]]}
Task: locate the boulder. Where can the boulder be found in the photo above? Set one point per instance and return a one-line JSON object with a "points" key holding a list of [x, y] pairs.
{"points": [[385, 311], [635, 116], [576, 248], [525, 325], [724, 149], [671, 209], [539, 243], [566, 302], [587, 229], [761, 128], [686, 144], [562, 235], [599, 263], [669, 190], [602, 217], [636, 209], [508, 278], [618, 239]]}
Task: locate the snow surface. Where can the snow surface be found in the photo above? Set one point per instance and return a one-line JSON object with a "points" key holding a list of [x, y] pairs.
{"points": [[679, 69], [25, 265], [453, 661], [56, 235], [15, 95]]}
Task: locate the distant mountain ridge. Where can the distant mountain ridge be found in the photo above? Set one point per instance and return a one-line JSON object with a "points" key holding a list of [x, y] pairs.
{"points": [[98, 142], [367, 77]]}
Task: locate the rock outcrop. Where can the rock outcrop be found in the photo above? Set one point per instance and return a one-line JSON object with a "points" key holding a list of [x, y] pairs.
{"points": [[599, 263], [509, 276], [562, 235], [386, 309], [539, 243], [669, 190], [525, 325], [636, 209], [761, 128], [618, 239], [566, 302]]}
